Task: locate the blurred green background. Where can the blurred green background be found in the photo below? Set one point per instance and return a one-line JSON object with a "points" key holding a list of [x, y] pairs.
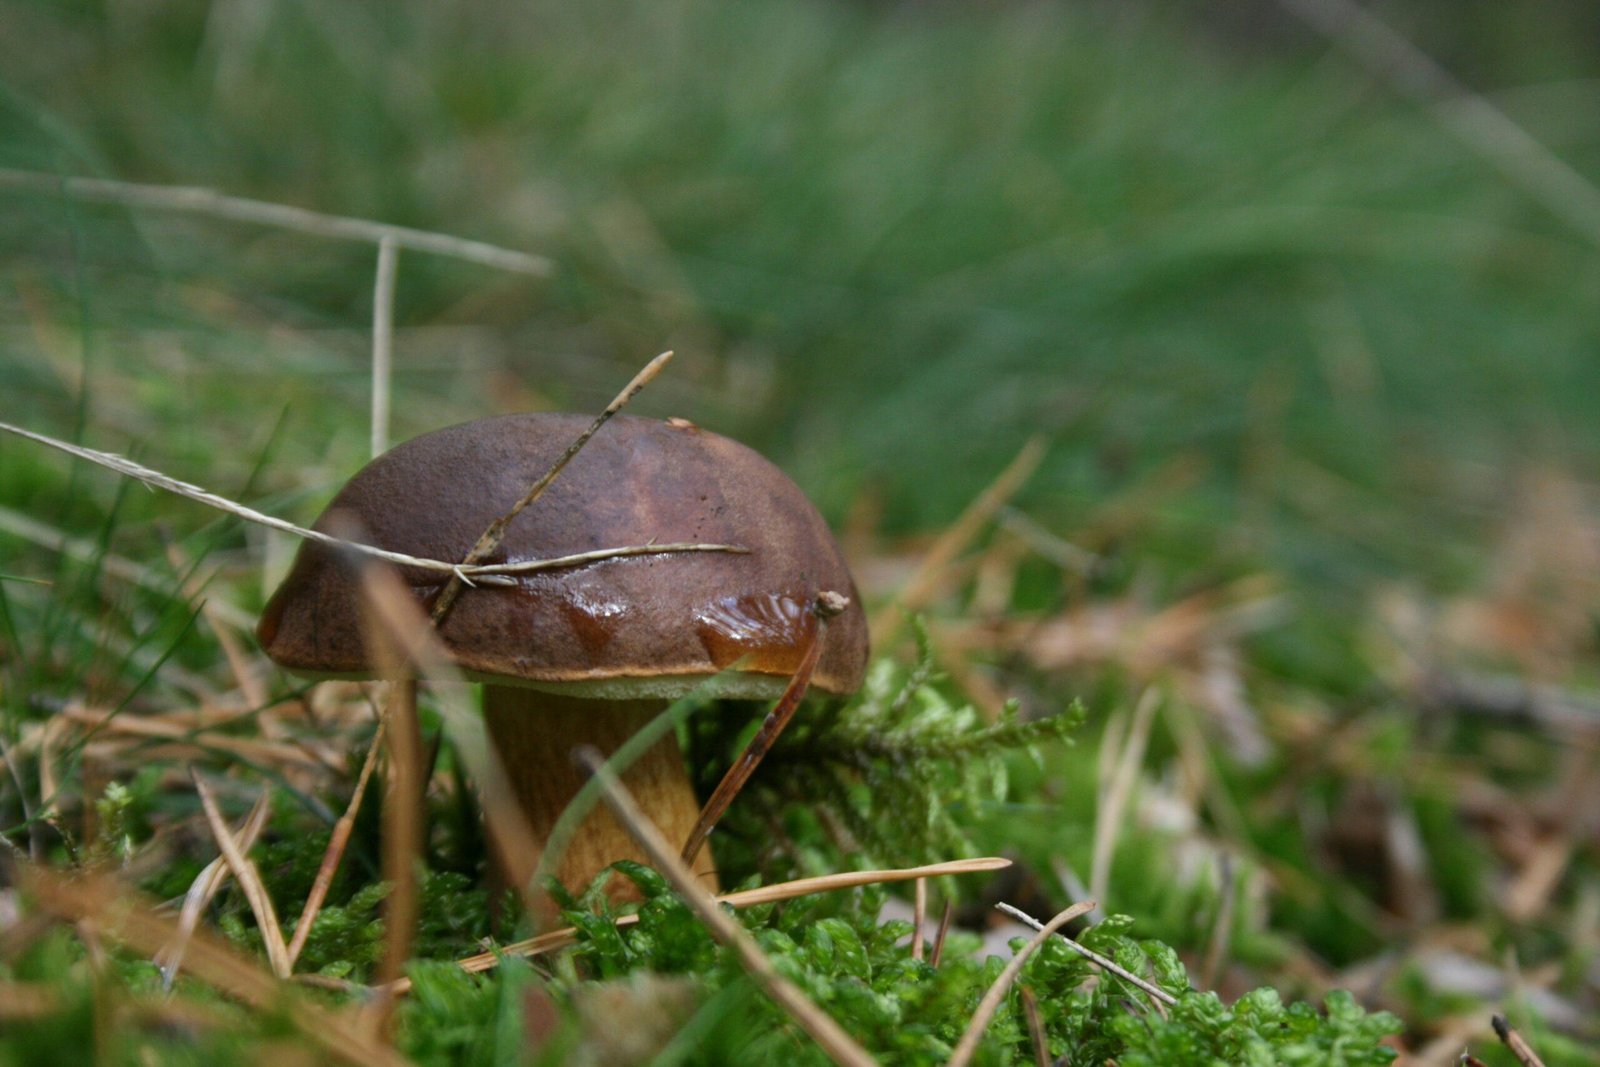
{"points": [[1197, 246]]}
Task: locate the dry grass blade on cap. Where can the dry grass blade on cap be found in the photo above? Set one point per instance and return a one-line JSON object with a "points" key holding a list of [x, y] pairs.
{"points": [[967, 1047], [840, 1046], [478, 573], [249, 879], [124, 916]]}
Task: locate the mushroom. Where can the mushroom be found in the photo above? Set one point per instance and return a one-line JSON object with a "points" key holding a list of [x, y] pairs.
{"points": [[587, 655]]}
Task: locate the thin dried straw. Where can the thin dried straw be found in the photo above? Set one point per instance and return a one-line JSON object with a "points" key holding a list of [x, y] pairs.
{"points": [[196, 201], [968, 1045], [383, 340], [249, 879], [474, 573], [1222, 928], [1156, 992], [337, 842], [402, 821], [187, 737], [839, 1046], [204, 888], [122, 915], [496, 532]]}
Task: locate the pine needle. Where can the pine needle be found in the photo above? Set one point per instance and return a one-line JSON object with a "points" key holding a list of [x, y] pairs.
{"points": [[249, 879], [1155, 991], [204, 888], [748, 898], [337, 841], [968, 1045], [839, 1046]]}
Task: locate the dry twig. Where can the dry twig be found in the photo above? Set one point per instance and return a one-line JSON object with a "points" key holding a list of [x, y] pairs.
{"points": [[1514, 1041], [1155, 991], [491, 537], [762, 742]]}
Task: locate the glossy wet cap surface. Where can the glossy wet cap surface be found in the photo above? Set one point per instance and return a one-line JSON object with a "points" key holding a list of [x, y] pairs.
{"points": [[674, 617]]}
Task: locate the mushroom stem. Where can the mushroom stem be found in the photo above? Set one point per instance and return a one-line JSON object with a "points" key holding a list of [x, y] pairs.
{"points": [[534, 733]]}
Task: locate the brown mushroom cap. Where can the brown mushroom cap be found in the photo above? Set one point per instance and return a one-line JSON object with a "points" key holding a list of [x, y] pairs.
{"points": [[645, 626]]}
